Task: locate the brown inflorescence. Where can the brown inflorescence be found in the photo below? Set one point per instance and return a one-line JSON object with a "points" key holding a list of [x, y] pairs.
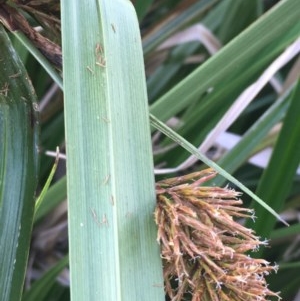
{"points": [[204, 249]]}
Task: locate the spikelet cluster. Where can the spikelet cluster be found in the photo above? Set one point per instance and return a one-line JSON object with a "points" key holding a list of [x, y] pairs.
{"points": [[203, 247]]}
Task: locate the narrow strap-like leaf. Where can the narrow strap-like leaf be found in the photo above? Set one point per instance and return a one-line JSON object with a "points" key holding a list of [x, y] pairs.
{"points": [[111, 194], [18, 169]]}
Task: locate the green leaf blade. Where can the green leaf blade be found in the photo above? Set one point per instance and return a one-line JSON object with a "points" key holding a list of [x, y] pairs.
{"points": [[236, 64], [110, 181], [18, 169], [277, 178]]}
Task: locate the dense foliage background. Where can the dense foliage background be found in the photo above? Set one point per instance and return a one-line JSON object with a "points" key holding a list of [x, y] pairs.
{"points": [[220, 74]]}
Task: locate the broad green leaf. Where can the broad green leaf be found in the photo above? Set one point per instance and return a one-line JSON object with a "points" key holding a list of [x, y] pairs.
{"points": [[110, 181], [18, 168]]}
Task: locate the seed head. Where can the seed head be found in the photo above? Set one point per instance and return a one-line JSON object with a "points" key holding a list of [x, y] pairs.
{"points": [[203, 247]]}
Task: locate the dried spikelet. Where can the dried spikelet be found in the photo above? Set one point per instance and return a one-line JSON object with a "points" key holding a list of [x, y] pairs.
{"points": [[203, 247]]}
